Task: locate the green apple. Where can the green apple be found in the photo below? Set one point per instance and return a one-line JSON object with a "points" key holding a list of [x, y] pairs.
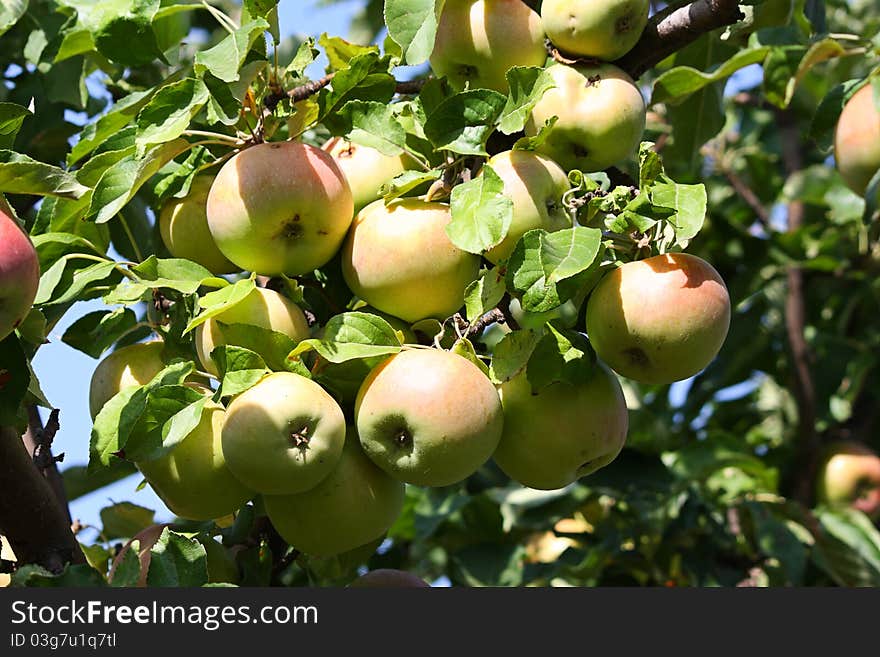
{"points": [[19, 275], [565, 316], [183, 225], [262, 307], [399, 259], [280, 208], [600, 29], [479, 40], [193, 479], [127, 367], [355, 504], [562, 432], [388, 578], [857, 140], [850, 476], [428, 417], [659, 320], [535, 185], [283, 435], [601, 117], [365, 168]]}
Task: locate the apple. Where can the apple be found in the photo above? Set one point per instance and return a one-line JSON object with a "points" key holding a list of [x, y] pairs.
{"points": [[365, 168], [563, 431], [355, 504], [601, 29], [399, 259], [284, 435], [19, 275], [659, 320], [280, 208], [535, 185], [857, 140], [850, 476], [564, 316], [127, 367], [601, 116], [479, 40], [262, 307], [193, 479], [428, 417], [388, 578]]}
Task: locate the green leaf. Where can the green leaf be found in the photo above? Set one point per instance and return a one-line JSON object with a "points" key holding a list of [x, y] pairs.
{"points": [[855, 530], [340, 52], [177, 561], [95, 134], [679, 82], [240, 369], [374, 125], [169, 112], [125, 520], [271, 345], [225, 59], [512, 354], [694, 122], [481, 213], [122, 29], [14, 379], [560, 356], [827, 114], [463, 123], [483, 294], [366, 78], [11, 118], [222, 300], [11, 12], [353, 335], [403, 184], [412, 24], [171, 414], [78, 481], [690, 204], [20, 174], [62, 284], [95, 332], [527, 85]]}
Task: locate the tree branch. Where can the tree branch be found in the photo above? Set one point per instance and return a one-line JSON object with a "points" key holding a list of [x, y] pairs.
{"points": [[31, 518], [303, 91], [671, 30], [38, 442]]}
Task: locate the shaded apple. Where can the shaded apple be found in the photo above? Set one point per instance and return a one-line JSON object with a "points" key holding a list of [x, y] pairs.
{"points": [[183, 225], [355, 504], [479, 40], [283, 435], [193, 479], [399, 260], [563, 431], [280, 208], [601, 117], [850, 476], [600, 29], [263, 308], [19, 275], [128, 367], [857, 140], [388, 578], [659, 320], [365, 168], [428, 417], [535, 185]]}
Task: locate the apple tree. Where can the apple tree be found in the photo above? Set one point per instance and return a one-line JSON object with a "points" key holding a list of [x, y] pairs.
{"points": [[511, 293]]}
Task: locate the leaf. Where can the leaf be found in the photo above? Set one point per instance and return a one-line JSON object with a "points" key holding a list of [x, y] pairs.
{"points": [[14, 379], [11, 118], [512, 354], [366, 78], [20, 174], [694, 122], [271, 345], [95, 332], [407, 181], [169, 112], [855, 530], [374, 125], [827, 114], [60, 284], [353, 335], [171, 414], [177, 561], [122, 113], [463, 123], [484, 293], [240, 369], [527, 85], [560, 356], [222, 300], [481, 213], [340, 52], [679, 82], [412, 24], [120, 183], [690, 204], [125, 520], [225, 59], [79, 482], [11, 12]]}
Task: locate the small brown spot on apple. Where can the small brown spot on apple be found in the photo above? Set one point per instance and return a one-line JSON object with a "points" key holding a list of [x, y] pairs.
{"points": [[638, 357]]}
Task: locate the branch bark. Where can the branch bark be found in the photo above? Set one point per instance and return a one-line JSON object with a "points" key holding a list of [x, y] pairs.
{"points": [[31, 518], [671, 30], [38, 442]]}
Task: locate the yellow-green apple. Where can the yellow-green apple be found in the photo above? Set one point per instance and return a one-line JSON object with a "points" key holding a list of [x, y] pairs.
{"points": [[428, 417], [193, 479], [365, 168], [600, 112], [280, 208], [659, 320], [535, 185], [354, 505], [263, 308], [19, 275], [479, 40], [127, 367], [563, 431], [399, 259], [601, 29], [183, 225], [283, 435], [850, 476], [565, 316], [857, 140], [388, 578]]}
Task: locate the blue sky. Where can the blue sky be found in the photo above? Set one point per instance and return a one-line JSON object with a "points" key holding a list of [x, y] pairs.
{"points": [[65, 373]]}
